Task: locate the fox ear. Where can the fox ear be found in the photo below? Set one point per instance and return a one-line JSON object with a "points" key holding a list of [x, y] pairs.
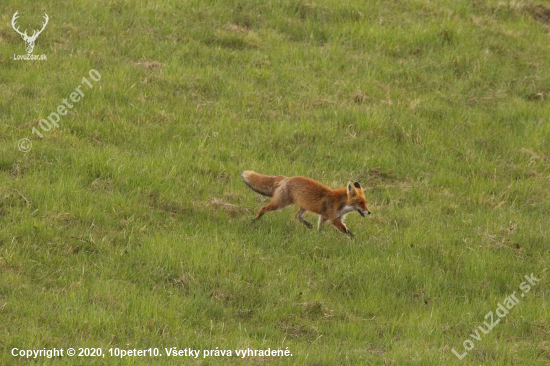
{"points": [[357, 185], [351, 190]]}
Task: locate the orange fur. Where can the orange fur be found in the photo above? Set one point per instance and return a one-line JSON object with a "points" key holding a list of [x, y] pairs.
{"points": [[309, 195]]}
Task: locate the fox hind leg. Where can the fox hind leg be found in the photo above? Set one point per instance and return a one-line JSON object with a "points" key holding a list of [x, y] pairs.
{"points": [[277, 202], [299, 217], [270, 207]]}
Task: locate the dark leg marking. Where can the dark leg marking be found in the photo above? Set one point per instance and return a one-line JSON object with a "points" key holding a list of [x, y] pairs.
{"points": [[299, 217]]}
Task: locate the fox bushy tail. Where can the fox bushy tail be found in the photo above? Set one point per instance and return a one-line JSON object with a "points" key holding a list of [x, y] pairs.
{"points": [[262, 184]]}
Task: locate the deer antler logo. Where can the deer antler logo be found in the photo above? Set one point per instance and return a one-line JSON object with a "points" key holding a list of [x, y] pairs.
{"points": [[29, 41]]}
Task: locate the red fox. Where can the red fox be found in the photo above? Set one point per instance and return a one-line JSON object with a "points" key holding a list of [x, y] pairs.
{"points": [[330, 204]]}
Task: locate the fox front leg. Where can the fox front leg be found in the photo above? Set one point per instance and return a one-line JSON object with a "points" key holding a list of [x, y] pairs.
{"points": [[337, 223], [321, 221]]}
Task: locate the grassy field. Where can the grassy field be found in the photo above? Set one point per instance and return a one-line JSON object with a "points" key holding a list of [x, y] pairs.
{"points": [[129, 226]]}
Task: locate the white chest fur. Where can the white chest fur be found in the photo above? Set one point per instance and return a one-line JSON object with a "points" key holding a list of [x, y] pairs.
{"points": [[346, 210]]}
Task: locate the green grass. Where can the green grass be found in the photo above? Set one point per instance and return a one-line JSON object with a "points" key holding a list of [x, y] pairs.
{"points": [[129, 225]]}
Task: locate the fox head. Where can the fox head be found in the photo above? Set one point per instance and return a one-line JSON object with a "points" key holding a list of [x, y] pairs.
{"points": [[357, 200]]}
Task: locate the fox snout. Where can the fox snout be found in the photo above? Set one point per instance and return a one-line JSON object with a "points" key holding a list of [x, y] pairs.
{"points": [[363, 212]]}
